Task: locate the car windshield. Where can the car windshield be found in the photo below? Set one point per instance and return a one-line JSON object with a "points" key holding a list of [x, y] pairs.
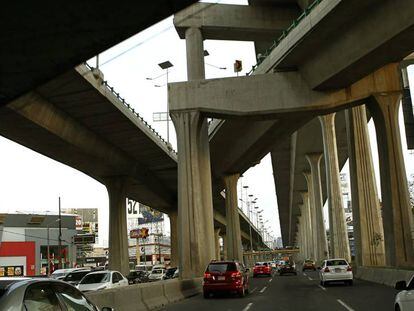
{"points": [[96, 278], [308, 261], [261, 264], [338, 262], [221, 267], [156, 271]]}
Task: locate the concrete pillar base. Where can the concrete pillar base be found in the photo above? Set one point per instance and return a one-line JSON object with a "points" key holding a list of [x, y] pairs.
{"points": [[337, 225], [397, 215], [195, 205], [368, 231], [118, 232], [174, 238]]}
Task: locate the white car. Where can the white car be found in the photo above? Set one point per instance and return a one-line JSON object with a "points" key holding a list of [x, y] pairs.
{"points": [[405, 298], [156, 275], [102, 280], [336, 270]]}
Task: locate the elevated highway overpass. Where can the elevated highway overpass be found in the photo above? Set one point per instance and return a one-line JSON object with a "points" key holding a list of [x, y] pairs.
{"points": [[304, 64], [79, 120]]}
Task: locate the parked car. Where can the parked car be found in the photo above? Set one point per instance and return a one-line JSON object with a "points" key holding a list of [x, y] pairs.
{"points": [[75, 277], [156, 274], [309, 264], [135, 277], [59, 274], [262, 268], [170, 273], [404, 300], [289, 267], [42, 294], [102, 280], [159, 266], [146, 268], [225, 276], [336, 270]]}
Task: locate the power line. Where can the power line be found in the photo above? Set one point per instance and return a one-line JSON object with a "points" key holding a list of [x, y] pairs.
{"points": [[157, 34]]}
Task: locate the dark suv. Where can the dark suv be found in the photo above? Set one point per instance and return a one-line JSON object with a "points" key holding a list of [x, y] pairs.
{"points": [[288, 267], [226, 276]]}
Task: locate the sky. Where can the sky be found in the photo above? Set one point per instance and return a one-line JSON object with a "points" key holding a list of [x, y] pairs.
{"points": [[31, 182]]}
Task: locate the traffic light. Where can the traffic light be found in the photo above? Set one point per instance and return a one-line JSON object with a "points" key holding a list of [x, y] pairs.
{"points": [[238, 66]]}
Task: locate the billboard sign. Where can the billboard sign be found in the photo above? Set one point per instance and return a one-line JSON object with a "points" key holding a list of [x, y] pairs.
{"points": [[78, 223], [149, 215]]}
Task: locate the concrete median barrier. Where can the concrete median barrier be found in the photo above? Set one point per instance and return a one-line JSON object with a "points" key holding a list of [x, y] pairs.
{"points": [[146, 296], [121, 299], [153, 295], [385, 276], [172, 290]]}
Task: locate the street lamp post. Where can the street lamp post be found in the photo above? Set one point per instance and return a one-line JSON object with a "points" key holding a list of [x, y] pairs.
{"points": [[48, 245]]}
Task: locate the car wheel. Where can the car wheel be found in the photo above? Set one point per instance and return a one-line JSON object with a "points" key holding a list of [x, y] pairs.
{"points": [[397, 308], [206, 295], [323, 283], [254, 275], [350, 282]]}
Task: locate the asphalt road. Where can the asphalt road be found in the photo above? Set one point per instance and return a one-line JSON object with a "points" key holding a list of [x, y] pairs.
{"points": [[301, 292]]}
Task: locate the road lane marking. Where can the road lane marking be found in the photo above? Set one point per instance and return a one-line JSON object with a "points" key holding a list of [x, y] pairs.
{"points": [[263, 289], [248, 306], [270, 280], [305, 274], [253, 290], [321, 287], [345, 305], [309, 278]]}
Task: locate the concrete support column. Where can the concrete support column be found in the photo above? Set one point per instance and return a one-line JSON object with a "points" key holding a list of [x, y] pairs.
{"points": [[396, 209], [368, 230], [195, 205], [337, 225], [312, 215], [217, 242], [301, 243], [224, 237], [315, 199], [195, 54], [234, 244], [174, 238], [310, 234], [118, 232]]}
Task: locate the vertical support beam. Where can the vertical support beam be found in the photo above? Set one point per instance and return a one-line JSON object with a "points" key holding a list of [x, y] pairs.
{"points": [[315, 199], [397, 215], [368, 230], [234, 244], [217, 242], [195, 53], [224, 237], [309, 232], [337, 225], [118, 235], [195, 204], [301, 240], [174, 238]]}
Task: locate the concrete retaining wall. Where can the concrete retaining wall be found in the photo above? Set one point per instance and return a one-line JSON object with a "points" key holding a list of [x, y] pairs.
{"points": [[386, 276], [146, 296]]}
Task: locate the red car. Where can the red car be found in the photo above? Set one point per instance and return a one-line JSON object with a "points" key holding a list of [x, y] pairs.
{"points": [[262, 268], [225, 276]]}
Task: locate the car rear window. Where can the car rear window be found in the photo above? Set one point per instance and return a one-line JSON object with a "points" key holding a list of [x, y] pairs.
{"points": [[76, 276], [261, 264], [308, 261], [336, 263], [221, 267]]}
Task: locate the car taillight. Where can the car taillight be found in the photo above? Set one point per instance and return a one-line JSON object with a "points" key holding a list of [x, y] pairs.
{"points": [[207, 276], [349, 268], [326, 269], [236, 275]]}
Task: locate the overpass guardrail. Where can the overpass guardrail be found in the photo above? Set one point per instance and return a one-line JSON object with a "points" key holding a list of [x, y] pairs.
{"points": [[284, 34]]}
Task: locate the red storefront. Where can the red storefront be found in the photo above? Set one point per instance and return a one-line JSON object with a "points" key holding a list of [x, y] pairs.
{"points": [[8, 250]]}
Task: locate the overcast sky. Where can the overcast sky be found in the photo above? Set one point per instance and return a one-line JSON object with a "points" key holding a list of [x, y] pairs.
{"points": [[31, 182]]}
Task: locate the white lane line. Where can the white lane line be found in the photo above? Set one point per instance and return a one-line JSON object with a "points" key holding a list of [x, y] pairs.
{"points": [[263, 289], [309, 278], [253, 290], [248, 306], [270, 280], [305, 274], [321, 287], [345, 305]]}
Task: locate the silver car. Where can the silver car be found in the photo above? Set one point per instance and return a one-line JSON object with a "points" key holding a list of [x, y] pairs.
{"points": [[26, 294]]}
